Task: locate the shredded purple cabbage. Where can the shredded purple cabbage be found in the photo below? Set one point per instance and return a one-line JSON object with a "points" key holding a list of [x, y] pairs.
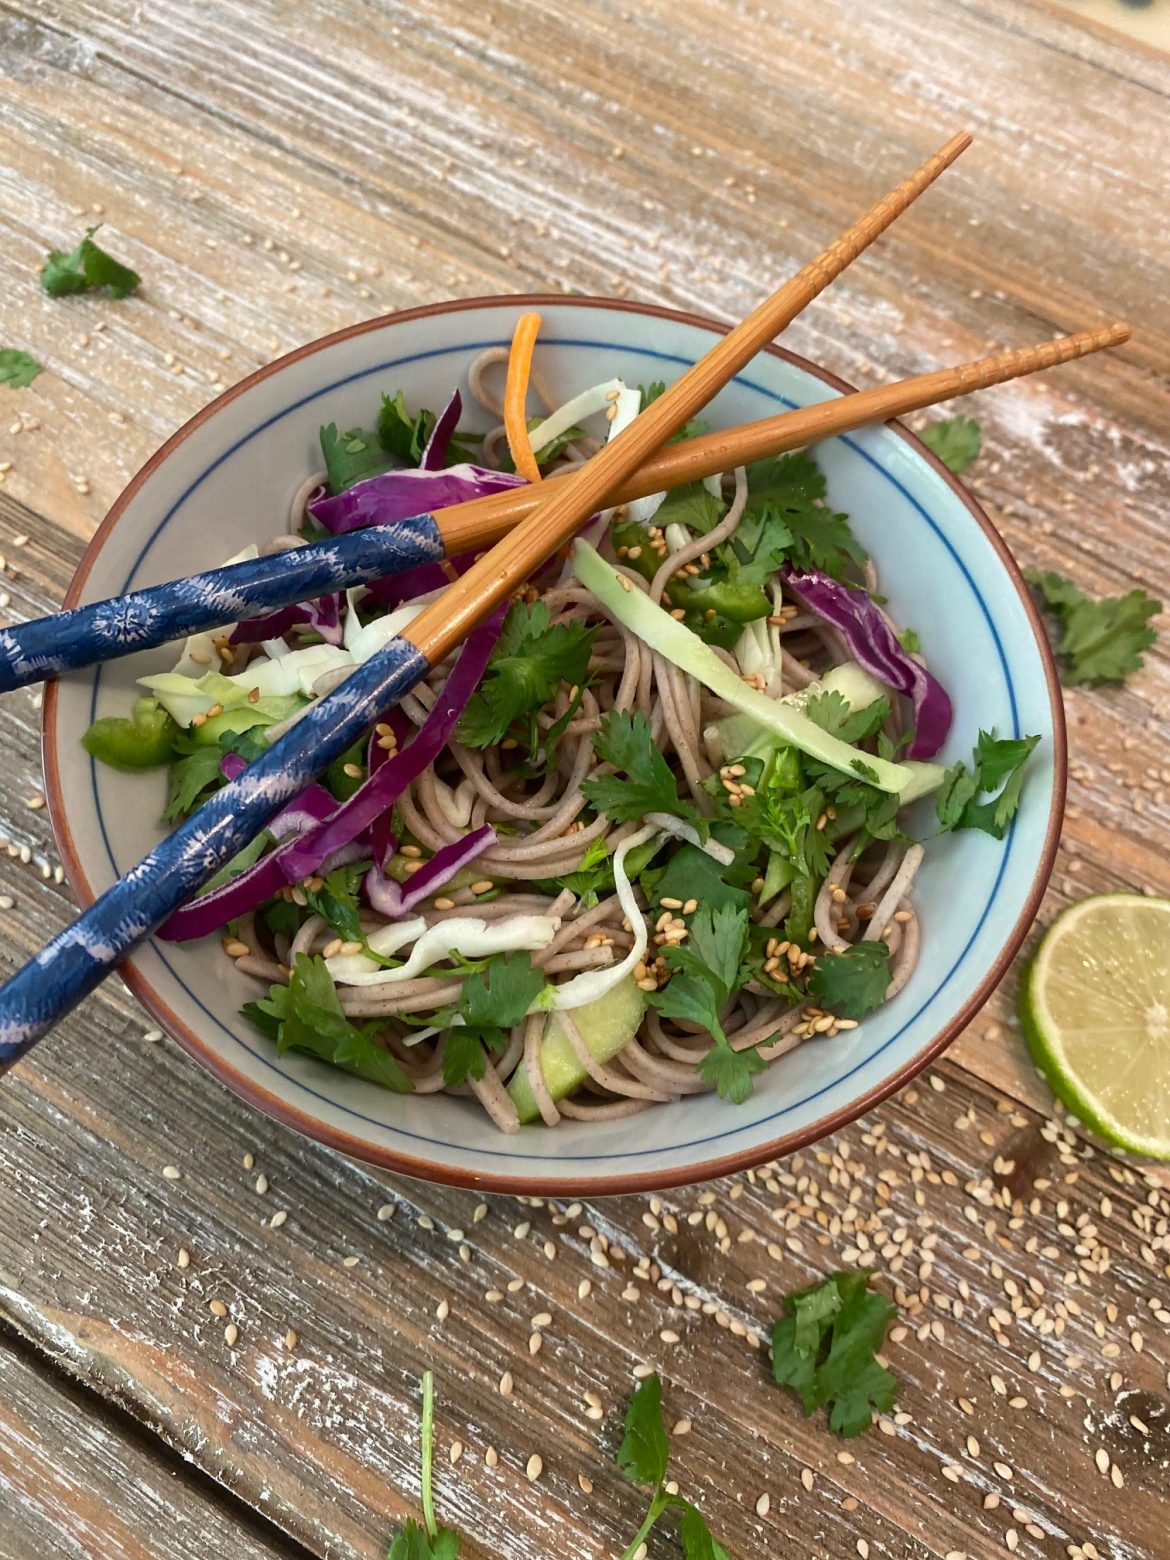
{"points": [[322, 615], [445, 425], [349, 830], [875, 647], [399, 495], [382, 789], [393, 899]]}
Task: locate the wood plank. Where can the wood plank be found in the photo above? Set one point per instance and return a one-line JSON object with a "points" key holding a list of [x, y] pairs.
{"points": [[76, 1482], [277, 174]]}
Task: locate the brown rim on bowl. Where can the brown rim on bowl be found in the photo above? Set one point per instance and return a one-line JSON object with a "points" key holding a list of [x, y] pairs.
{"points": [[573, 1185]]}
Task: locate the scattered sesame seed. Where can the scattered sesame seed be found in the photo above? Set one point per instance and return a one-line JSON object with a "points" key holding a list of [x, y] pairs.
{"points": [[277, 1219], [291, 1340], [763, 1505], [172, 1173], [184, 1257], [217, 1308], [386, 1211], [230, 1333], [534, 1467]]}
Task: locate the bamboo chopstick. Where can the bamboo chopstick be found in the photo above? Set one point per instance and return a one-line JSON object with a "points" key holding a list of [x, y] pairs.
{"points": [[78, 959], [105, 630], [481, 521], [440, 627]]}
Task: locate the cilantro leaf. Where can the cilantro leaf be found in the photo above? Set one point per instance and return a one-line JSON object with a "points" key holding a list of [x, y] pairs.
{"points": [[415, 1543], [401, 435], [910, 641], [645, 1451], [306, 1015], [996, 760], [1101, 641], [824, 1347], [692, 874], [17, 368], [85, 269], [531, 660], [730, 1072], [788, 491], [627, 742], [337, 902], [350, 456], [690, 505], [834, 714], [854, 981], [188, 778], [956, 441], [695, 1537], [492, 1000]]}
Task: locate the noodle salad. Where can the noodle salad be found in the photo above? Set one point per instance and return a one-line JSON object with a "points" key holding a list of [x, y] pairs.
{"points": [[643, 833]]}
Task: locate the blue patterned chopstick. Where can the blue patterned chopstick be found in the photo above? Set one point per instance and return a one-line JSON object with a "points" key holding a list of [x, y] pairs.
{"points": [[81, 957], [30, 652]]}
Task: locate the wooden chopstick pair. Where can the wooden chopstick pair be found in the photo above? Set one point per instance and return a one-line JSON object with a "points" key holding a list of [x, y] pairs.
{"points": [[80, 957], [145, 619]]}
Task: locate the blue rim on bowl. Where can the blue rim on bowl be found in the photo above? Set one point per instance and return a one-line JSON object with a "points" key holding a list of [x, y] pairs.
{"points": [[536, 1181]]}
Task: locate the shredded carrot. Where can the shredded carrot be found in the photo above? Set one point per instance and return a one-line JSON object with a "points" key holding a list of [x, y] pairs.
{"points": [[516, 396]]}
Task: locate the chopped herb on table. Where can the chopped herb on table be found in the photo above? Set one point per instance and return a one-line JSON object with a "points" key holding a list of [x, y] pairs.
{"points": [[956, 441], [825, 1348], [643, 1457], [87, 268], [1100, 641], [17, 368]]}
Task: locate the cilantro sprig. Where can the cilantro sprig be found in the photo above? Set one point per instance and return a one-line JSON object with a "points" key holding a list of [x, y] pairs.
{"points": [[998, 768], [956, 441], [705, 970], [644, 783], [1100, 641], [825, 1348], [643, 1457], [533, 657], [86, 269], [492, 1000], [429, 1541], [306, 1015]]}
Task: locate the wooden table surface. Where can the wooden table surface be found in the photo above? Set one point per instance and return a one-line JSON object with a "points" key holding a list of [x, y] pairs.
{"points": [[276, 170]]}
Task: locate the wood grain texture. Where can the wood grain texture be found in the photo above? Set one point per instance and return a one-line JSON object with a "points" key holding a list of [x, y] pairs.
{"points": [[278, 170], [76, 1482]]}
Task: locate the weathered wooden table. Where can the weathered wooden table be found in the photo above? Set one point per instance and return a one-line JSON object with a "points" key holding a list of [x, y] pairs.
{"points": [[275, 171]]}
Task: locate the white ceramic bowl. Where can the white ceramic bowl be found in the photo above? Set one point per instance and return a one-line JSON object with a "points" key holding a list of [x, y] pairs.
{"points": [[227, 478]]}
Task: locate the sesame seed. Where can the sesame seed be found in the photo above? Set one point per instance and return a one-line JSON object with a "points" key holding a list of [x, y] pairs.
{"points": [[585, 1483], [386, 1211], [535, 1342], [506, 1384], [217, 1307], [277, 1219], [534, 1467], [455, 1452], [491, 1457], [807, 1478], [763, 1505], [291, 1340], [184, 1257], [261, 1184], [230, 1333]]}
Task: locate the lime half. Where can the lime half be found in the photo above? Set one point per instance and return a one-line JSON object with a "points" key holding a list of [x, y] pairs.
{"points": [[1095, 1006]]}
